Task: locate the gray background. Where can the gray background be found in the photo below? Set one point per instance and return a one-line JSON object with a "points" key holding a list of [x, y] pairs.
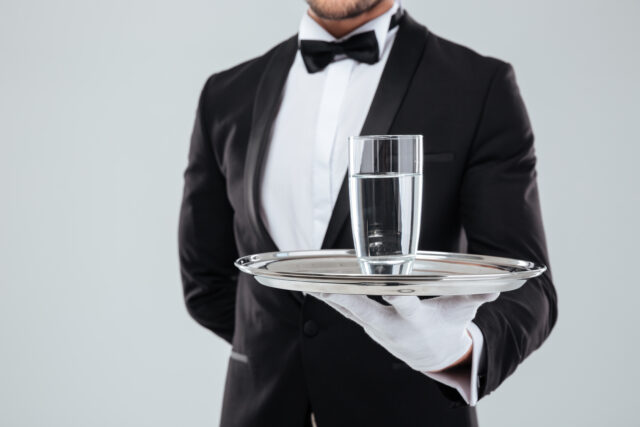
{"points": [[97, 99]]}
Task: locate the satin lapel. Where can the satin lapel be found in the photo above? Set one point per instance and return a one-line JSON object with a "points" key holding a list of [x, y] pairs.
{"points": [[265, 109], [394, 83]]}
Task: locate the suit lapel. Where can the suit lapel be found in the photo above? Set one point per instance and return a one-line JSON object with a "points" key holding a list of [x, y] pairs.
{"points": [[394, 83], [265, 109]]}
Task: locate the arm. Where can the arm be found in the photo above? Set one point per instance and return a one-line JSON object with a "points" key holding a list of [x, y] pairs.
{"points": [[500, 211], [206, 242]]}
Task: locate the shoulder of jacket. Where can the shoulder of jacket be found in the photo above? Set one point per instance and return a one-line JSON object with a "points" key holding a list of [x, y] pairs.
{"points": [[462, 62]]}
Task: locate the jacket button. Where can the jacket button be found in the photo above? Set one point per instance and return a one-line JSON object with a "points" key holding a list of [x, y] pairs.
{"points": [[310, 328]]}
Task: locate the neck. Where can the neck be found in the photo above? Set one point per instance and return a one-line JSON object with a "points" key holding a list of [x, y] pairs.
{"points": [[341, 27]]}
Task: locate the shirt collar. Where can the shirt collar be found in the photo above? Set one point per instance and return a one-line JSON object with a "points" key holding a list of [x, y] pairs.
{"points": [[311, 30]]}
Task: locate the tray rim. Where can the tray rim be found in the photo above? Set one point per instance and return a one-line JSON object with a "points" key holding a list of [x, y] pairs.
{"points": [[243, 263], [433, 289]]}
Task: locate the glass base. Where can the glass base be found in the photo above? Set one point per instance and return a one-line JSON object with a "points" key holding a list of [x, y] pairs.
{"points": [[391, 265]]}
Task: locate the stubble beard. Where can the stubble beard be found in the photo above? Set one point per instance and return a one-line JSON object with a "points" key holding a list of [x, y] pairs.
{"points": [[341, 9]]}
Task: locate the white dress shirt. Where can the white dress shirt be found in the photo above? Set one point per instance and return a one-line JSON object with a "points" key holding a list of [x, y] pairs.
{"points": [[307, 157]]}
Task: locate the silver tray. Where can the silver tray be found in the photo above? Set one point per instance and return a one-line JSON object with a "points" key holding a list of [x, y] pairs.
{"points": [[337, 271]]}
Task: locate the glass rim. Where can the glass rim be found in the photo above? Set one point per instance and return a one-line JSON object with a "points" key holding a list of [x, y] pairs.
{"points": [[385, 137]]}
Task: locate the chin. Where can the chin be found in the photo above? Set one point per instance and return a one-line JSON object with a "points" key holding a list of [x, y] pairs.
{"points": [[341, 9]]}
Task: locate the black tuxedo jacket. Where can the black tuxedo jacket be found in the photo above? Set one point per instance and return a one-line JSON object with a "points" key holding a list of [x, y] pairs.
{"points": [[292, 355]]}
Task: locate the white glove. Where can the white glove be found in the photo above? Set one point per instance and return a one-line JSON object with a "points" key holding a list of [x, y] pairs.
{"points": [[428, 335]]}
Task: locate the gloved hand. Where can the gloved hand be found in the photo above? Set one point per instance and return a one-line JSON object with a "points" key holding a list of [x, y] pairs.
{"points": [[428, 335]]}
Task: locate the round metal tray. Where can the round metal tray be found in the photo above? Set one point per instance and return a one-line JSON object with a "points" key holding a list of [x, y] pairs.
{"points": [[434, 273]]}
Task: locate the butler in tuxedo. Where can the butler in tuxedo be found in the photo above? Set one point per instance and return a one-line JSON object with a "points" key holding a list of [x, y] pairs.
{"points": [[266, 172]]}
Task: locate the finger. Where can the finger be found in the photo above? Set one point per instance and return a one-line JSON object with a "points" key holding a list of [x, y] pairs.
{"points": [[465, 301], [363, 308], [458, 306], [405, 305], [485, 298], [346, 313]]}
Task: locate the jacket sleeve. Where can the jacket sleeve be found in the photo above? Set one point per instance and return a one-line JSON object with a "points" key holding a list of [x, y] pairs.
{"points": [[206, 241], [501, 216]]}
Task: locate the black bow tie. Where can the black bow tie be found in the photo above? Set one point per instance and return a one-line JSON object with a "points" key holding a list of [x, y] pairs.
{"points": [[362, 47]]}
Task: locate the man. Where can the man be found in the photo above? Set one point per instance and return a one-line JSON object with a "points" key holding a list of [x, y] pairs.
{"points": [[266, 172]]}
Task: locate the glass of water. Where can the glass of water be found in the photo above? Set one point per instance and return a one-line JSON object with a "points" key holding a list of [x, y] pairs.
{"points": [[385, 194]]}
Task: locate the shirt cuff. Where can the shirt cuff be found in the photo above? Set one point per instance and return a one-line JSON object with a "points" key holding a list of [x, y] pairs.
{"points": [[465, 381]]}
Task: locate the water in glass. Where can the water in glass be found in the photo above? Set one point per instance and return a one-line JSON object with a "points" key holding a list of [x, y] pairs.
{"points": [[385, 212]]}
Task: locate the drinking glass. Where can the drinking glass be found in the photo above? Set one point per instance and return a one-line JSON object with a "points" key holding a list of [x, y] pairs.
{"points": [[385, 197]]}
